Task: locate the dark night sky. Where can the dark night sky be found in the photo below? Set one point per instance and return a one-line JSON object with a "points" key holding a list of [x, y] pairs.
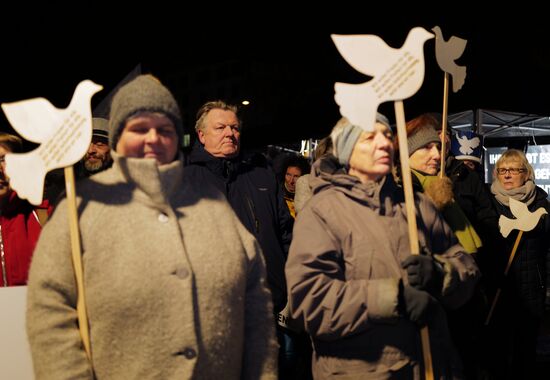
{"points": [[508, 54]]}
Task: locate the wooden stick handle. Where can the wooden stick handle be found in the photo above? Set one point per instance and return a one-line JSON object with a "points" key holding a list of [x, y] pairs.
{"points": [[513, 253], [77, 260], [444, 123], [406, 176], [510, 259], [411, 221], [495, 300]]}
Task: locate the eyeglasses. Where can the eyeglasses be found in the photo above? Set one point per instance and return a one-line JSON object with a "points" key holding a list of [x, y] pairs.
{"points": [[513, 171]]}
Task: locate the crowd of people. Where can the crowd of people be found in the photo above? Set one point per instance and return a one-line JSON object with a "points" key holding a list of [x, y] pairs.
{"points": [[211, 266]]}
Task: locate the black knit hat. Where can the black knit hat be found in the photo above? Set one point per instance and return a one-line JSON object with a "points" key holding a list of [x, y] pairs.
{"points": [[145, 93]]}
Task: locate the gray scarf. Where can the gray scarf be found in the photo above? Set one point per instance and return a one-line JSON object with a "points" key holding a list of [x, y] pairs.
{"points": [[525, 193]]}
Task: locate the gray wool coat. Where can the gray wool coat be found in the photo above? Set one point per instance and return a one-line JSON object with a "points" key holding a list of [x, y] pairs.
{"points": [[174, 284]]}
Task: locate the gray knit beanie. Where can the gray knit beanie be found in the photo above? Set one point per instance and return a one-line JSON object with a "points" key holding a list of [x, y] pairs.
{"points": [[344, 136], [145, 93], [422, 137]]}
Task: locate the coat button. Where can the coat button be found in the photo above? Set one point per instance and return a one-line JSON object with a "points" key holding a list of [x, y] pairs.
{"points": [[189, 353], [163, 218], [182, 273]]}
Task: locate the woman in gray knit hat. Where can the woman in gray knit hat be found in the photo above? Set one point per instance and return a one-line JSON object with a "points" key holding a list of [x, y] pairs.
{"points": [[174, 284], [351, 280]]}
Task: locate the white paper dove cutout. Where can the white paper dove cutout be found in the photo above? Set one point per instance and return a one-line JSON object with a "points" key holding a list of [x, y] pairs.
{"points": [[446, 52], [525, 220], [397, 73], [467, 146], [64, 136]]}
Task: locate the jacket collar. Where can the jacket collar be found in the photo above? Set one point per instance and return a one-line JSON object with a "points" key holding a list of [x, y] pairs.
{"points": [[221, 167], [158, 182]]}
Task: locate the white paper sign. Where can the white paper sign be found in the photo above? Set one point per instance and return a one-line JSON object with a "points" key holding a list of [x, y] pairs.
{"points": [[64, 136], [446, 52], [397, 73], [525, 220], [15, 354]]}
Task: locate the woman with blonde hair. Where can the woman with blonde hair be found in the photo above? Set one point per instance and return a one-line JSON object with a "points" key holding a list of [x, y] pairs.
{"points": [[526, 288]]}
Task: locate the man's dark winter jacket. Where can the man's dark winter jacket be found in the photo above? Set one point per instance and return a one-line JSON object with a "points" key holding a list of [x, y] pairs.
{"points": [[257, 200]]}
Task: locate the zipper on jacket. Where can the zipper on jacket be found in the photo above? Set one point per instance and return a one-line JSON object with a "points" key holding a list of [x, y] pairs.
{"points": [[541, 284], [3, 260], [253, 212]]}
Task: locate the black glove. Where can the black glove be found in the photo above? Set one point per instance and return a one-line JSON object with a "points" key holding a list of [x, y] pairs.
{"points": [[416, 304], [424, 273]]}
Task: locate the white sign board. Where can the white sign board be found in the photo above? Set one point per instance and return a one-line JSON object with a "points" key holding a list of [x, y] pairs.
{"points": [[446, 52], [15, 354], [64, 136], [397, 73]]}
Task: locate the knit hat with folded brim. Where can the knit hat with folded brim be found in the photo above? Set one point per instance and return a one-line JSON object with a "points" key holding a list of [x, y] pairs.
{"points": [[145, 93], [422, 137], [100, 127], [344, 135]]}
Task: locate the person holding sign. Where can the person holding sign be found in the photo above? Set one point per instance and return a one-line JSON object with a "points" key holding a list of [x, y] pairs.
{"points": [[424, 140], [174, 284], [424, 145], [525, 284], [20, 222], [352, 281]]}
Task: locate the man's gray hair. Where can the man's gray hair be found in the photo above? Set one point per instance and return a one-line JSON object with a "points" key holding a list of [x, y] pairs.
{"points": [[209, 106]]}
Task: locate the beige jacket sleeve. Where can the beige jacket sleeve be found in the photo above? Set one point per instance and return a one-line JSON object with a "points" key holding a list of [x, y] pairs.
{"points": [[260, 352], [52, 327]]}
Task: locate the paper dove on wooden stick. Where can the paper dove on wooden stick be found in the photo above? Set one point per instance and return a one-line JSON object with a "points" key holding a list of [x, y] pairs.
{"points": [[446, 53], [64, 136], [525, 220], [397, 73]]}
